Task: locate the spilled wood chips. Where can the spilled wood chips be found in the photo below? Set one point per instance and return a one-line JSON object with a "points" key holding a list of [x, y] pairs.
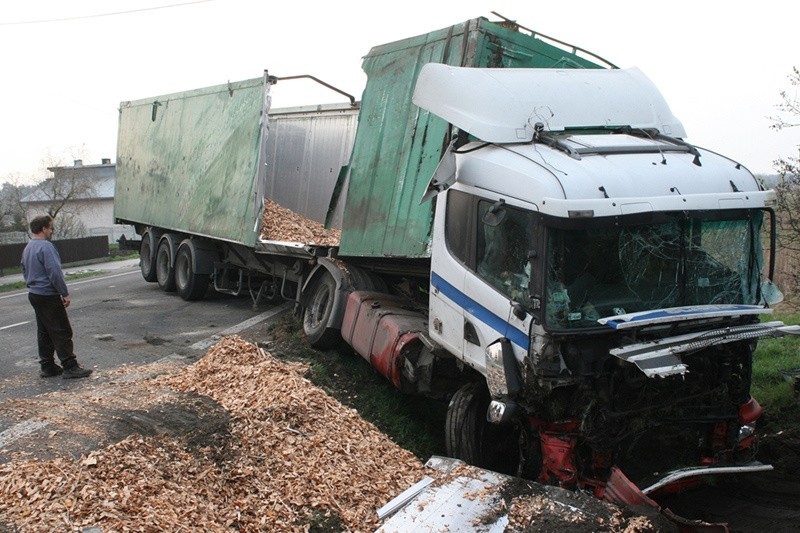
{"points": [[294, 458], [286, 457], [281, 224]]}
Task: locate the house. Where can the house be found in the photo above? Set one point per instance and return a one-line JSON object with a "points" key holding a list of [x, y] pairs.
{"points": [[84, 195]]}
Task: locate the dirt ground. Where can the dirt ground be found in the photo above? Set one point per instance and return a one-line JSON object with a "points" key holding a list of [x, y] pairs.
{"points": [[243, 440]]}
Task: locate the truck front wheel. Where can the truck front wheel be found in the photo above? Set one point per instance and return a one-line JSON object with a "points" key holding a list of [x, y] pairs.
{"points": [[469, 436], [317, 313], [189, 284]]}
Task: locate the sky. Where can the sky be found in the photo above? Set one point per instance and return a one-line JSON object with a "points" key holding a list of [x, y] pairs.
{"points": [[66, 65]]}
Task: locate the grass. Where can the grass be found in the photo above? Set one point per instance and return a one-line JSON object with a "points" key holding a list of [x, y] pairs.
{"points": [[770, 388], [15, 286], [115, 254]]}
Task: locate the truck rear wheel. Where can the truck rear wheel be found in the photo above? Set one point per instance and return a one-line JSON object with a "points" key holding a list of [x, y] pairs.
{"points": [[189, 284], [165, 270], [475, 440], [317, 314], [147, 260]]}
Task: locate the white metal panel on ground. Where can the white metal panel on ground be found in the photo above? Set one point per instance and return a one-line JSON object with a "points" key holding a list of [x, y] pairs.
{"points": [[461, 503]]}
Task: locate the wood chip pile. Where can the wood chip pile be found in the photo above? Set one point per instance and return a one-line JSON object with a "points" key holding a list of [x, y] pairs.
{"points": [[282, 224], [284, 456], [295, 459]]}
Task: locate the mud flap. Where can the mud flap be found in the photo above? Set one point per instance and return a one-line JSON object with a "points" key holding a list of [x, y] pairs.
{"points": [[623, 492]]}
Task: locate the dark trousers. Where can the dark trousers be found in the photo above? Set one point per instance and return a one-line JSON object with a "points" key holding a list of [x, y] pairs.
{"points": [[54, 331]]}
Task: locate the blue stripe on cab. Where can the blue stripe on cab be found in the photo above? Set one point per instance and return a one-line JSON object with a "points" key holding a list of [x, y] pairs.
{"points": [[517, 336]]}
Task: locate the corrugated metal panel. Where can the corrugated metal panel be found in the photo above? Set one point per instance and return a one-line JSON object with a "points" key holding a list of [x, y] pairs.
{"points": [[187, 161], [399, 145], [305, 153]]}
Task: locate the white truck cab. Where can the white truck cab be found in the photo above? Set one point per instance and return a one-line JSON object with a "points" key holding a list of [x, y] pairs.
{"points": [[594, 268]]}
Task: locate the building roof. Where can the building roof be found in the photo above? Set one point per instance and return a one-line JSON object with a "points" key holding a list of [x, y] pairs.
{"points": [[102, 176]]}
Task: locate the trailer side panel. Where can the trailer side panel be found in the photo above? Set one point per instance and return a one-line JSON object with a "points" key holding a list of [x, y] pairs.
{"points": [[399, 145]]}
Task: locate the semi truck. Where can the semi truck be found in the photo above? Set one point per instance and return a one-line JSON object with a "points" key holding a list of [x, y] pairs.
{"points": [[524, 232]]}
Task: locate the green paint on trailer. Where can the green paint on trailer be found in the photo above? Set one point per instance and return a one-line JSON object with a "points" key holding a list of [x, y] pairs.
{"points": [[398, 145], [187, 162]]}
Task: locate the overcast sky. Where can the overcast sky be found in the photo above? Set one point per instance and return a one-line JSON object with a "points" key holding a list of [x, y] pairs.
{"points": [[66, 65]]}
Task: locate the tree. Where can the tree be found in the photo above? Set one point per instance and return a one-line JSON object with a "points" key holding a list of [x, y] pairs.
{"points": [[59, 193], [788, 168], [57, 196], [12, 212]]}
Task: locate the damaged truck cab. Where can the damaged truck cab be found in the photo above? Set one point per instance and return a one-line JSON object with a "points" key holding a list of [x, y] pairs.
{"points": [[602, 275]]}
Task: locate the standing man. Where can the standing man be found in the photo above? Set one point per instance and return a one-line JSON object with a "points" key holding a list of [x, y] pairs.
{"points": [[48, 294]]}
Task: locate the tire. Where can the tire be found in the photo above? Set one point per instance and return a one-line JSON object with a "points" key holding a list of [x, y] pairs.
{"points": [[165, 268], [189, 284], [317, 314], [476, 441], [147, 262]]}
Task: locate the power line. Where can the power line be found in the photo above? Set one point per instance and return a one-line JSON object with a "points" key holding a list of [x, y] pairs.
{"points": [[43, 21]]}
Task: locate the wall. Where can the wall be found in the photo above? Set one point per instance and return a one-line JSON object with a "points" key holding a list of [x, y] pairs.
{"points": [[70, 250]]}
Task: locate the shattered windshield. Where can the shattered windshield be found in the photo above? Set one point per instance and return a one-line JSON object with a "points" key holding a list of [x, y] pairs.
{"points": [[620, 267]]}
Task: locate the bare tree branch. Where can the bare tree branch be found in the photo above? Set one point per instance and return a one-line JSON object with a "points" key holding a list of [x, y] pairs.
{"points": [[788, 189], [57, 195]]}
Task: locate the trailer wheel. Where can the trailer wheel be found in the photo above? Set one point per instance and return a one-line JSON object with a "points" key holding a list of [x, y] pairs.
{"points": [[165, 270], [147, 261], [189, 284], [317, 314], [475, 440]]}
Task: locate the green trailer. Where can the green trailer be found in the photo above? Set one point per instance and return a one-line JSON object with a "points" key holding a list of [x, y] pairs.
{"points": [[196, 169], [398, 145], [201, 162]]}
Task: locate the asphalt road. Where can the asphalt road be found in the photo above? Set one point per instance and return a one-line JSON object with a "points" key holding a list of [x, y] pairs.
{"points": [[117, 319]]}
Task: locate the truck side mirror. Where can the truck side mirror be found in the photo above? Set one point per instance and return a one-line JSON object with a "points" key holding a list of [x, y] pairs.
{"points": [[771, 293], [496, 214], [502, 371]]}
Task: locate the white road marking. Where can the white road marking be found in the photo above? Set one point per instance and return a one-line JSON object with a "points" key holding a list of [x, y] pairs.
{"points": [[24, 293], [17, 431], [15, 325], [101, 278], [207, 343]]}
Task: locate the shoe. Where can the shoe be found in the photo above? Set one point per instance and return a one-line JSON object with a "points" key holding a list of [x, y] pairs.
{"points": [[75, 372], [50, 371]]}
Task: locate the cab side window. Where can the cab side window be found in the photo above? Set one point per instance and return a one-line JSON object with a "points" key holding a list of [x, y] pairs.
{"points": [[502, 250], [497, 252], [459, 226]]}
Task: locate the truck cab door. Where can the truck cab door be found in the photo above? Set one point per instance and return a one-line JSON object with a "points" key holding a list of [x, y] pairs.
{"points": [[446, 302], [499, 283], [492, 317], [480, 274]]}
